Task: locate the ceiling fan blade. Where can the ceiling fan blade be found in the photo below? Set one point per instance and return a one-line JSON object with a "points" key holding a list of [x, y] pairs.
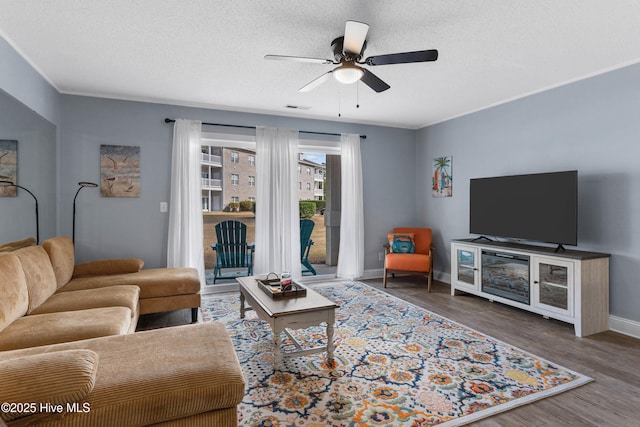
{"points": [[299, 59], [315, 83], [355, 33], [373, 81], [403, 58]]}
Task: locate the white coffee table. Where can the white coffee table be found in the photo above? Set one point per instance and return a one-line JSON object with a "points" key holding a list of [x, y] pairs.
{"points": [[293, 313]]}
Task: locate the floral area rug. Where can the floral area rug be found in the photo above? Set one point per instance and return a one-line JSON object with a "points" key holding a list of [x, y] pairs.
{"points": [[396, 364]]}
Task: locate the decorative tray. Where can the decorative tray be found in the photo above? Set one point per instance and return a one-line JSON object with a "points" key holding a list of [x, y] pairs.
{"points": [[273, 288]]}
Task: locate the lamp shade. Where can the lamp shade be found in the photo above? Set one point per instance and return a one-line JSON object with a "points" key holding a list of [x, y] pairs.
{"points": [[348, 73]]}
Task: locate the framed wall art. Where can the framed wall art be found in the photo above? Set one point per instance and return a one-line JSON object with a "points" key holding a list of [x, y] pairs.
{"points": [[8, 166], [119, 171], [442, 178]]}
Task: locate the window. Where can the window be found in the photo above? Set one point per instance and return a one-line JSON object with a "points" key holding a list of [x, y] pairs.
{"points": [[235, 158], [235, 199], [252, 199], [235, 179], [299, 169], [252, 160], [309, 171], [299, 185], [252, 181], [308, 186]]}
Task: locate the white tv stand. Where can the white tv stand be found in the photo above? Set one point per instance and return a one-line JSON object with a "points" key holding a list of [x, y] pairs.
{"points": [[572, 286]]}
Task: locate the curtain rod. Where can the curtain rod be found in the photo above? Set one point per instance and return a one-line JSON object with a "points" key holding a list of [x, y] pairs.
{"points": [[167, 120]]}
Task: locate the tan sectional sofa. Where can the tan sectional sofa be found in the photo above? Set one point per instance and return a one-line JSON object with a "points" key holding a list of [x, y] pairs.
{"points": [[69, 357], [32, 314]]}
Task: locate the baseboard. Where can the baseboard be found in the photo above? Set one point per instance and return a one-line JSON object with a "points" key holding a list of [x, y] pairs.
{"points": [[379, 272], [373, 274], [624, 326], [442, 276]]}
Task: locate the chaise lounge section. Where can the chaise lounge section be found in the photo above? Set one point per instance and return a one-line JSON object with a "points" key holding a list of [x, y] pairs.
{"points": [[181, 376]]}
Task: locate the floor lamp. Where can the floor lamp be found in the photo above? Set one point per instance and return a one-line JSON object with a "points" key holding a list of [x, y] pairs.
{"points": [[11, 184], [82, 185]]}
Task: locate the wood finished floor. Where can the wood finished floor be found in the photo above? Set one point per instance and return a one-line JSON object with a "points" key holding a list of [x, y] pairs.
{"points": [[611, 359]]}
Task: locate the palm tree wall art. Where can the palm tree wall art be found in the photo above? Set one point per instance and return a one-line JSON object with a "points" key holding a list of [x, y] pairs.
{"points": [[442, 179]]}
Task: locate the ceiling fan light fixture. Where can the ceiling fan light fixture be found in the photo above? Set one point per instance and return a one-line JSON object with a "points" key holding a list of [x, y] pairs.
{"points": [[348, 73]]}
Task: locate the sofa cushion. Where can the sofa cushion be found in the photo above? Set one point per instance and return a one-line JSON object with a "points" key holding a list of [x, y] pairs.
{"points": [[41, 281], [12, 246], [422, 237], [401, 243], [154, 282], [54, 378], [62, 257], [14, 297], [113, 296], [156, 376], [105, 267], [52, 328], [408, 262]]}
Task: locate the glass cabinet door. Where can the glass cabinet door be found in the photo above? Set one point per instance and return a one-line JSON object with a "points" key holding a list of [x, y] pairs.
{"points": [[554, 280], [466, 266]]}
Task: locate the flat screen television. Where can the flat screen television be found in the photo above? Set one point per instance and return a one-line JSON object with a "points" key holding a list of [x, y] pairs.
{"points": [[539, 207]]}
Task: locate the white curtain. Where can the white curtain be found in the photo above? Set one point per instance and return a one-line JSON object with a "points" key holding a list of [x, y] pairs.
{"points": [[277, 212], [184, 248], [351, 253]]}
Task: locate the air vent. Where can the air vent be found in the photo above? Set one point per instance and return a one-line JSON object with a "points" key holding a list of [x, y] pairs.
{"points": [[297, 107]]}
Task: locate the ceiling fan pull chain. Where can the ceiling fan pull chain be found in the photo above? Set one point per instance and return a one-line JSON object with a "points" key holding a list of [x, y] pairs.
{"points": [[358, 94], [339, 102]]}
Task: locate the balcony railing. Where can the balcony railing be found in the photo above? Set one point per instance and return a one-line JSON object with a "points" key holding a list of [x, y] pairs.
{"points": [[318, 177], [211, 184], [318, 192], [211, 159]]}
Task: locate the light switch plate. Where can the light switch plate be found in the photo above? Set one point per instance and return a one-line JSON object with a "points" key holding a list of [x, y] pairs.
{"points": [[164, 206]]}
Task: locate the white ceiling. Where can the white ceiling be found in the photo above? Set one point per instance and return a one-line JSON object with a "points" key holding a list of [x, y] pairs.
{"points": [[209, 53]]}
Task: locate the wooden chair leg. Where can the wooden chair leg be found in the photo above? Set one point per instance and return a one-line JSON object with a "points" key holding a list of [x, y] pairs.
{"points": [[429, 280], [384, 281]]}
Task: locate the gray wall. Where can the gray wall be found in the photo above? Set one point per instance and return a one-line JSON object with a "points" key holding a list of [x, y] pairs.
{"points": [[29, 111], [21, 81], [592, 126], [119, 227], [36, 171]]}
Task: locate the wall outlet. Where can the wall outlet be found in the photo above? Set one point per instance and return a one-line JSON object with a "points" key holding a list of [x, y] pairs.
{"points": [[164, 206], [380, 256]]}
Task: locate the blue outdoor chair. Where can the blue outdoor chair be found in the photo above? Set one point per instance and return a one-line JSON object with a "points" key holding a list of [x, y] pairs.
{"points": [[306, 227], [232, 250]]}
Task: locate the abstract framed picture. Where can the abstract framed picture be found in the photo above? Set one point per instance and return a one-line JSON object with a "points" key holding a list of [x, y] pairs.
{"points": [[8, 166], [119, 171], [442, 178]]}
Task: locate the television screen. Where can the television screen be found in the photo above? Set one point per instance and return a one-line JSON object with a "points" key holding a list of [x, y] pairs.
{"points": [[540, 207]]}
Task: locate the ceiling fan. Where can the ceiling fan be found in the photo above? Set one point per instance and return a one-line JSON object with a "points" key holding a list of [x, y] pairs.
{"points": [[347, 53]]}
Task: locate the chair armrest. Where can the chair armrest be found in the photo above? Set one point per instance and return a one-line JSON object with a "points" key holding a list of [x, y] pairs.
{"points": [[106, 267]]}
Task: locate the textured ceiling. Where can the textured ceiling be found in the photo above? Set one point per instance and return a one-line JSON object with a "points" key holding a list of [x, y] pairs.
{"points": [[209, 53]]}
